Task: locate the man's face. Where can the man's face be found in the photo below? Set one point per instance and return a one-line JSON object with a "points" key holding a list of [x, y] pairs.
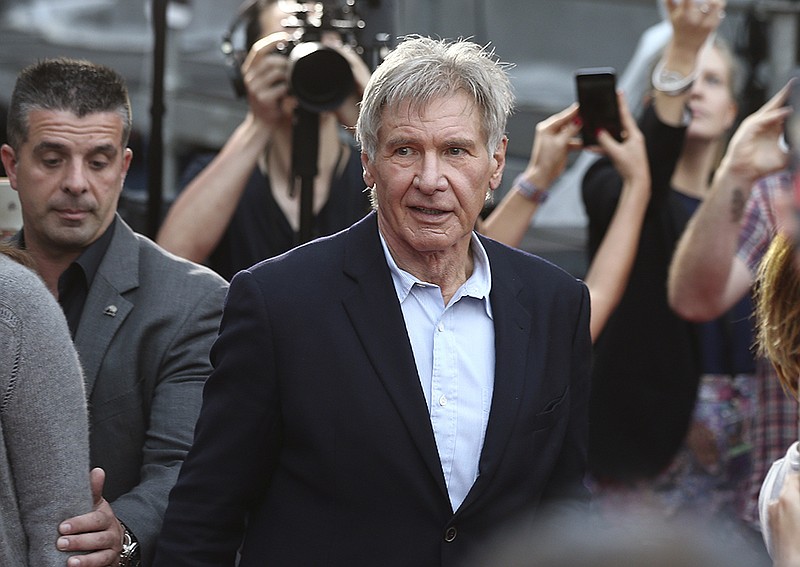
{"points": [[431, 173], [69, 174]]}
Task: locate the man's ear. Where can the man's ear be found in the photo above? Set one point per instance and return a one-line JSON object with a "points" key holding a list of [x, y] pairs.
{"points": [[9, 157], [499, 159], [365, 166]]}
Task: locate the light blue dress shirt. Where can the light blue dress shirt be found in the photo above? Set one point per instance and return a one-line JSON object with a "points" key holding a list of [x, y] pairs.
{"points": [[454, 351]]}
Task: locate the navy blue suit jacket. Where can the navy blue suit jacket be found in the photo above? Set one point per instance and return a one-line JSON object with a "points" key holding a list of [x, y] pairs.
{"points": [[314, 445]]}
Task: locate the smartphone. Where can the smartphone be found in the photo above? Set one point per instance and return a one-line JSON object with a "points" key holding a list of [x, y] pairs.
{"points": [[597, 96]]}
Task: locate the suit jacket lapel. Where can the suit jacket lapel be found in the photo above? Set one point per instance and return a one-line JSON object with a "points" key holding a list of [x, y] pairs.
{"points": [[512, 324], [106, 308], [377, 318]]}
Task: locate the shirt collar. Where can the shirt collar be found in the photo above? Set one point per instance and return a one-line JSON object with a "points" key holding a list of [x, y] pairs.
{"points": [[90, 259], [478, 285]]}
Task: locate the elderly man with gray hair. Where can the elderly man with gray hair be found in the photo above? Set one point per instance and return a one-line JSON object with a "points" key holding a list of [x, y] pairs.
{"points": [[394, 393]]}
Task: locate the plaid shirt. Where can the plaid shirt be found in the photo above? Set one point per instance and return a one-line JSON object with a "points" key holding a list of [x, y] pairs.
{"points": [[776, 419]]}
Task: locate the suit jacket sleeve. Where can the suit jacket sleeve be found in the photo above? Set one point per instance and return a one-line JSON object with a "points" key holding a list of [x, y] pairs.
{"points": [[233, 451], [174, 406], [146, 398]]}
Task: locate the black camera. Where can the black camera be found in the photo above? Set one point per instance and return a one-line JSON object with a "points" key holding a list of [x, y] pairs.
{"points": [[319, 76]]}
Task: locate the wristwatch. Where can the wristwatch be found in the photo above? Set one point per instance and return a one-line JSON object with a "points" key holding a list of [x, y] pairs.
{"points": [[130, 556]]}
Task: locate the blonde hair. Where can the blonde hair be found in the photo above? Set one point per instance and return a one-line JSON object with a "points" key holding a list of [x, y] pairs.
{"points": [[777, 298]]}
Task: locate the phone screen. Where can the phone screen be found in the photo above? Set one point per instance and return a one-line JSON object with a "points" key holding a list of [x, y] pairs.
{"points": [[597, 97]]}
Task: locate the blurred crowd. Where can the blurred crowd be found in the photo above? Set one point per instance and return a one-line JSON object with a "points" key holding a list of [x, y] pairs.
{"points": [[335, 351]]}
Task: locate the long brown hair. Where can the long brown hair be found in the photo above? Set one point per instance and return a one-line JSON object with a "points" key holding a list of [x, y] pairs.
{"points": [[777, 298], [15, 253]]}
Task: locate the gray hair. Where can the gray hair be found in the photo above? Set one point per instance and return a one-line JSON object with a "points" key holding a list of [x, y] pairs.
{"points": [[73, 85], [422, 69]]}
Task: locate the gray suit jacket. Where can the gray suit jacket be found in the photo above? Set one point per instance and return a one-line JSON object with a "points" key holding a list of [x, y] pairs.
{"points": [[144, 339]]}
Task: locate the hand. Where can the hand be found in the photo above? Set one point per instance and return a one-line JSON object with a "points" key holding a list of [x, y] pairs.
{"points": [[361, 72], [98, 532], [755, 148], [265, 76], [783, 516], [693, 23], [703, 445], [554, 138], [347, 113], [630, 155]]}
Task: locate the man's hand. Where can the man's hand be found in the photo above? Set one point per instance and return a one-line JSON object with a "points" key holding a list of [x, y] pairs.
{"points": [[98, 533]]}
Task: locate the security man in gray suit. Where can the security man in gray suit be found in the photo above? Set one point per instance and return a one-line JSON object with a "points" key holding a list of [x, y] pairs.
{"points": [[142, 319]]}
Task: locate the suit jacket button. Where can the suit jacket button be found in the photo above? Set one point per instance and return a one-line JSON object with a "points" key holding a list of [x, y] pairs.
{"points": [[450, 534]]}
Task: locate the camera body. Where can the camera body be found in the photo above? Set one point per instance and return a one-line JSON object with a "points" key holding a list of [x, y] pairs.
{"points": [[319, 76]]}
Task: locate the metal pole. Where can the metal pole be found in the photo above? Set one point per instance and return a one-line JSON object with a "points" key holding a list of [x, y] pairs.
{"points": [[155, 153]]}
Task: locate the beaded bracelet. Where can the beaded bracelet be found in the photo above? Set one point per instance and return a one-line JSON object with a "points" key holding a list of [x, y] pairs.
{"points": [[529, 190]]}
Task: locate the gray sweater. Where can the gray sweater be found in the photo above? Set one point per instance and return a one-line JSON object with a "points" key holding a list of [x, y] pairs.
{"points": [[44, 439]]}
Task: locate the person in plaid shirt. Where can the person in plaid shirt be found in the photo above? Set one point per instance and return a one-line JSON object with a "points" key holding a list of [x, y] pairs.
{"points": [[716, 262], [775, 427]]}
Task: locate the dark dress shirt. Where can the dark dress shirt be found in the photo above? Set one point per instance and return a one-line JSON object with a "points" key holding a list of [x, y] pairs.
{"points": [[75, 281]]}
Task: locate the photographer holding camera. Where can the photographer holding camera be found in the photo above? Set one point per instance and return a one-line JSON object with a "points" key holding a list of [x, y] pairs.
{"points": [[240, 205]]}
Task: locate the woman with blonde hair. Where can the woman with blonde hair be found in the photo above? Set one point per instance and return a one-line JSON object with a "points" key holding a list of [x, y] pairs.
{"points": [[778, 318], [778, 311]]}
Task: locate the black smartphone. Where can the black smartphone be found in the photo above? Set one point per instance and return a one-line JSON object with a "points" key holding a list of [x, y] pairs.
{"points": [[597, 97]]}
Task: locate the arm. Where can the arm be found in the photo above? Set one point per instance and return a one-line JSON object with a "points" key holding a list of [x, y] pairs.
{"points": [[347, 113], [706, 278], [197, 220], [691, 29], [553, 140], [174, 407], [783, 519], [201, 213], [179, 366], [608, 274], [235, 442], [44, 421]]}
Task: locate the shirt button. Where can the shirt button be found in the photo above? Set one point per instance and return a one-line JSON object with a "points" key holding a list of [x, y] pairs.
{"points": [[450, 534], [440, 326], [443, 401]]}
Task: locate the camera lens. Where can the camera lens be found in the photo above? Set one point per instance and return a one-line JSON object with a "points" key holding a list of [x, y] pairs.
{"points": [[319, 76]]}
